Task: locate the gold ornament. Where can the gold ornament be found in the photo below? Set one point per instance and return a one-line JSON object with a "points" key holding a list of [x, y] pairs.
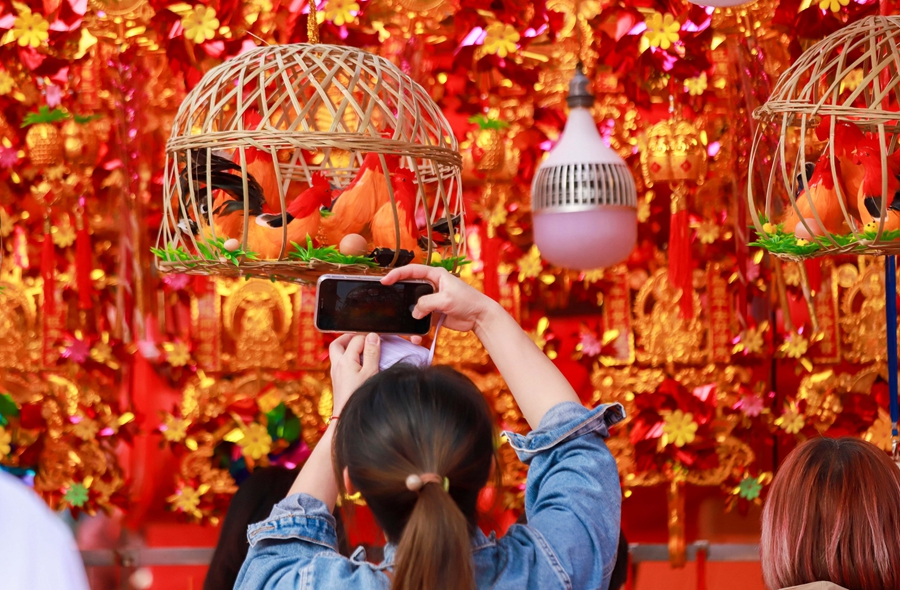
{"points": [[43, 143], [673, 152]]}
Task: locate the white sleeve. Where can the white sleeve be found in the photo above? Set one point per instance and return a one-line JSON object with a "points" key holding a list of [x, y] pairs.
{"points": [[37, 550]]}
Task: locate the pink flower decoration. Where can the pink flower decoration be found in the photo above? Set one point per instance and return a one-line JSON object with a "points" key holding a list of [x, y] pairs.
{"points": [[176, 282], [590, 345], [77, 352], [54, 96], [8, 157], [751, 405]]}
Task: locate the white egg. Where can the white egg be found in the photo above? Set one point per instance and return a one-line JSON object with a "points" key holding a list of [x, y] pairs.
{"points": [[231, 244]]}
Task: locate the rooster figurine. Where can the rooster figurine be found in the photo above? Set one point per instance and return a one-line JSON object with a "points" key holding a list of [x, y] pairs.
{"points": [[869, 196], [265, 235], [383, 230], [356, 206], [821, 182]]}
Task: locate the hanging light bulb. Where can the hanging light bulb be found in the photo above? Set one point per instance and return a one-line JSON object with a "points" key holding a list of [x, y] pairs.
{"points": [[584, 200]]}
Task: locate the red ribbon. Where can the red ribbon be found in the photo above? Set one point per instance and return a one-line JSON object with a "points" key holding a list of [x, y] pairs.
{"points": [[48, 268], [83, 264]]}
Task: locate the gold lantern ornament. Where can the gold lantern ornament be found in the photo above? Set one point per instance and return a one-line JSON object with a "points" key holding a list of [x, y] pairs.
{"points": [[673, 152], [489, 146], [43, 139]]}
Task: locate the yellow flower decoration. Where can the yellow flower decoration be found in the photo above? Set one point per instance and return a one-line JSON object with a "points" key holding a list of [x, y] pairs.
{"points": [[708, 231], [201, 24], [30, 30], [791, 420], [6, 83], [696, 86], [64, 236], [795, 346], [833, 5], [662, 30], [500, 39], [177, 353], [187, 499], [530, 265], [679, 429], [176, 429], [752, 340], [256, 442], [852, 80], [341, 12], [5, 442], [86, 429], [879, 434]]}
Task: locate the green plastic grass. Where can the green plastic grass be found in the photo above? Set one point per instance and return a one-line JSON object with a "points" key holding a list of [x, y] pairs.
{"points": [[451, 263], [328, 254], [209, 250]]}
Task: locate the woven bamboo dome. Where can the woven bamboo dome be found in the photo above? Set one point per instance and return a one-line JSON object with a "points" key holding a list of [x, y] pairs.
{"points": [[825, 136], [260, 134]]}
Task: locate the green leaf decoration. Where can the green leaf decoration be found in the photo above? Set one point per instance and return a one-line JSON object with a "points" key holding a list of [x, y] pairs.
{"points": [[291, 431], [484, 122], [85, 119], [8, 409], [749, 488], [450, 263], [76, 495], [44, 115]]}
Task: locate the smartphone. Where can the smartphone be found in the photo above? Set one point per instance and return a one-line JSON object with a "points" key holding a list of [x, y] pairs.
{"points": [[361, 304]]}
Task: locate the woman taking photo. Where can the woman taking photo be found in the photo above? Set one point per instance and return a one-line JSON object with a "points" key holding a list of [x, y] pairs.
{"points": [[419, 445], [832, 519]]}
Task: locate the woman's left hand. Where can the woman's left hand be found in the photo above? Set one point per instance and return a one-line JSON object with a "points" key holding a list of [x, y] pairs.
{"points": [[347, 374]]}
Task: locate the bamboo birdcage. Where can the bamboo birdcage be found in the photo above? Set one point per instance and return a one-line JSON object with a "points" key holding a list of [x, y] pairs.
{"points": [[851, 76], [311, 109]]}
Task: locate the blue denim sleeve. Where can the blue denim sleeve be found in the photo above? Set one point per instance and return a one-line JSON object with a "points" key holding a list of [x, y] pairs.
{"points": [[572, 495], [285, 544]]}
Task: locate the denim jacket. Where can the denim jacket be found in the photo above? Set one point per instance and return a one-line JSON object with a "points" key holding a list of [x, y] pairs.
{"points": [[572, 501]]}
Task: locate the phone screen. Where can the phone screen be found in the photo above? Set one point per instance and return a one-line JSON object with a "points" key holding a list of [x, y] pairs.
{"points": [[353, 305]]}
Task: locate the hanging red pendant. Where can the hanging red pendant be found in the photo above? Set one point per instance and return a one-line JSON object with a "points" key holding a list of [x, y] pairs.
{"points": [[680, 260], [83, 262], [48, 272]]}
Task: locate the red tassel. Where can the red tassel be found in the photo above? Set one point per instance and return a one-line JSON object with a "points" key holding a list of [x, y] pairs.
{"points": [[83, 264], [680, 263], [490, 256], [814, 274], [48, 268], [701, 568]]}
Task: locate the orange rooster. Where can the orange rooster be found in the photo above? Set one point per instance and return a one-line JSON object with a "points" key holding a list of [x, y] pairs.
{"points": [[821, 182], [356, 206], [383, 230], [870, 190]]}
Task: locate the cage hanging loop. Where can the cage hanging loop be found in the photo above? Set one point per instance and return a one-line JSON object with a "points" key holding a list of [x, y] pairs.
{"points": [[312, 23]]}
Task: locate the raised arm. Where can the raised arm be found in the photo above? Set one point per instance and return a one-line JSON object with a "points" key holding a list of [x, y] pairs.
{"points": [[317, 476], [533, 379]]}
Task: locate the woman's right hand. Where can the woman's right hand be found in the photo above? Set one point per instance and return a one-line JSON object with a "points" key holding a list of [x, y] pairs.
{"points": [[463, 306]]}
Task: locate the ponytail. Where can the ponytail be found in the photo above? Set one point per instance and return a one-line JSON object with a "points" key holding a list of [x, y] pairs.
{"points": [[400, 435], [434, 552]]}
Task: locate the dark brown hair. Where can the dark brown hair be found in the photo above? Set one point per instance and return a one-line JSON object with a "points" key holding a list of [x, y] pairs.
{"points": [[833, 515], [409, 421]]}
